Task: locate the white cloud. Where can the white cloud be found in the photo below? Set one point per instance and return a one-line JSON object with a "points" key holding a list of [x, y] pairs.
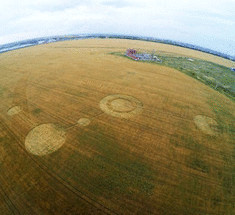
{"points": [[209, 23]]}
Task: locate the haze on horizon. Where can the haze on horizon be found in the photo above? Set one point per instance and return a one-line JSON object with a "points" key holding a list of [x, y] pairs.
{"points": [[207, 23]]}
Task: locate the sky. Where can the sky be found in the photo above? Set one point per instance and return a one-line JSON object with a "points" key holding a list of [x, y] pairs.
{"points": [[207, 23]]}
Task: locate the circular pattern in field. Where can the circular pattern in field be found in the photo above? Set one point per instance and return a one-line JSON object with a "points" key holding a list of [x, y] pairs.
{"points": [[84, 122], [122, 106], [206, 124], [14, 110], [44, 139]]}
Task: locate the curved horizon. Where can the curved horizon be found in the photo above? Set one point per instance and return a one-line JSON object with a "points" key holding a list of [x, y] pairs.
{"points": [[208, 23], [56, 38]]}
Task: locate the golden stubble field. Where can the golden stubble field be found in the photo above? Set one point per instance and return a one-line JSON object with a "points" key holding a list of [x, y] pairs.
{"points": [[86, 132]]}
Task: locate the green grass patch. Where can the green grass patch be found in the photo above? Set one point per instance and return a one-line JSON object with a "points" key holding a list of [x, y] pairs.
{"points": [[2, 90], [198, 164], [224, 116], [112, 169], [187, 142], [226, 119], [121, 170], [37, 111]]}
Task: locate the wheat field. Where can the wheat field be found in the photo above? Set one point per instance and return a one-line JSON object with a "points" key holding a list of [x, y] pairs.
{"points": [[86, 132]]}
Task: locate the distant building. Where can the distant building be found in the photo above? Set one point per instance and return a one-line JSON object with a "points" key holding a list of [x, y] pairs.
{"points": [[131, 53]]}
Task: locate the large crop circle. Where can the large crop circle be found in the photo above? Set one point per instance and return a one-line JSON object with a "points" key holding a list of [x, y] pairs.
{"points": [[122, 106], [44, 139]]}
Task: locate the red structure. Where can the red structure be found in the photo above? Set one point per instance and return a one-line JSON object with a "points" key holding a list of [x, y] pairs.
{"points": [[131, 53]]}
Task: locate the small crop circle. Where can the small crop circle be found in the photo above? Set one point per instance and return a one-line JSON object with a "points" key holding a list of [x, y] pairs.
{"points": [[206, 124]]}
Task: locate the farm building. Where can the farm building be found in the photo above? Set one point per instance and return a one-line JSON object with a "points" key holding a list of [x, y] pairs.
{"points": [[132, 53]]}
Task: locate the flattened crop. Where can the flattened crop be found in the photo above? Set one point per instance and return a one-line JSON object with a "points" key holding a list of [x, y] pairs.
{"points": [[206, 124], [121, 106], [44, 139]]}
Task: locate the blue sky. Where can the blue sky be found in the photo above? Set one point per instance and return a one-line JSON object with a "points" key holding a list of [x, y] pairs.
{"points": [[208, 23]]}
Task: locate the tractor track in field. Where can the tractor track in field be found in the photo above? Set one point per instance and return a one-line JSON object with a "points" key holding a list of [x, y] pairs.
{"points": [[8, 201]]}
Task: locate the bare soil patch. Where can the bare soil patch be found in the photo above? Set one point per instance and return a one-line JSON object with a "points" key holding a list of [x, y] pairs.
{"points": [[14, 110], [44, 139], [122, 106], [206, 124]]}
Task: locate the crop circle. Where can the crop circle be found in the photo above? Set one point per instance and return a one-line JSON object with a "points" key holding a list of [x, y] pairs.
{"points": [[14, 110], [44, 139], [122, 106], [84, 121], [206, 124]]}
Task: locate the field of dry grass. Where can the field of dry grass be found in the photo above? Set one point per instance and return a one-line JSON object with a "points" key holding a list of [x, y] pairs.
{"points": [[173, 154]]}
